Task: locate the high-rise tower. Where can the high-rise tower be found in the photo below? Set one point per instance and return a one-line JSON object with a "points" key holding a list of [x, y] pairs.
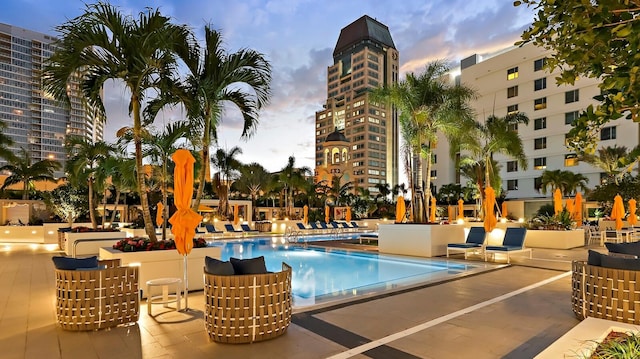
{"points": [[35, 121], [364, 58]]}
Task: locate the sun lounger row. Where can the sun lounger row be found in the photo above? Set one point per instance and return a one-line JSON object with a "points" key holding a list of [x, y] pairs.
{"points": [[211, 230], [513, 242], [331, 227]]}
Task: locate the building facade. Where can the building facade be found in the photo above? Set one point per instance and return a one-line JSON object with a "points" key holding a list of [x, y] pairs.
{"points": [[34, 120], [364, 58], [514, 80]]}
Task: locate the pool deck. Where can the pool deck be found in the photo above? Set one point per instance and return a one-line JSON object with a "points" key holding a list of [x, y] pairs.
{"points": [[512, 312]]}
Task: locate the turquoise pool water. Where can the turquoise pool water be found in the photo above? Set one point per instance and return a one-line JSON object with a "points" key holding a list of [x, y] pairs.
{"points": [[326, 274]]}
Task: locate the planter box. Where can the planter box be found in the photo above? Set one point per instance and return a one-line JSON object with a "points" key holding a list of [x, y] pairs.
{"points": [[582, 340], [420, 240], [164, 264], [537, 238], [86, 243]]}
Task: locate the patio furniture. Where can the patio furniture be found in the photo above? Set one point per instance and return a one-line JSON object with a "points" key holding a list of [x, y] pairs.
{"points": [[474, 242], [246, 229], [230, 229], [90, 299], [165, 298], [513, 242], [211, 230], [610, 236], [247, 308], [606, 293]]}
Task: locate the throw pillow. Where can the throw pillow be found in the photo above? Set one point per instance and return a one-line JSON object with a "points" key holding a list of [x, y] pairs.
{"points": [[249, 266], [620, 263], [217, 267], [68, 263], [625, 248], [595, 258]]}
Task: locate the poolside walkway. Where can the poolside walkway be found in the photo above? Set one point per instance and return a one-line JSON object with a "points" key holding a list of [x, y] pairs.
{"points": [[513, 312]]}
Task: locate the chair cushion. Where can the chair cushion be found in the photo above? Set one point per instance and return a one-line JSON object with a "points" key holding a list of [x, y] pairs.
{"points": [[464, 245], [503, 248], [249, 266], [620, 263], [594, 258], [218, 267], [68, 263], [632, 248]]}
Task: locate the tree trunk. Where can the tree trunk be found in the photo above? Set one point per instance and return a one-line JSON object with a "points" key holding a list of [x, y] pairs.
{"points": [[92, 215], [104, 208], [165, 200], [113, 214], [427, 189], [142, 186]]}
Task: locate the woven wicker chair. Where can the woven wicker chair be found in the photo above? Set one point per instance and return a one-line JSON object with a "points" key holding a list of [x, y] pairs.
{"points": [[247, 308], [97, 299], [605, 293]]}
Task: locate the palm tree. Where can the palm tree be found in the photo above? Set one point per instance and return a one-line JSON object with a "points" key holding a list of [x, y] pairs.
{"points": [[23, 171], [254, 179], [291, 178], [158, 148], [217, 78], [428, 105], [228, 166], [85, 160], [104, 44], [338, 190], [567, 181], [123, 177], [614, 161], [5, 143]]}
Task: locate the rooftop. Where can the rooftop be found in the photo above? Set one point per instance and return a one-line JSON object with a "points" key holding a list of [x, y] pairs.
{"points": [[365, 28]]}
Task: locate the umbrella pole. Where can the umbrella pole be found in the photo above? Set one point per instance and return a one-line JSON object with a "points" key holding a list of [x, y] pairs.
{"points": [[186, 283]]}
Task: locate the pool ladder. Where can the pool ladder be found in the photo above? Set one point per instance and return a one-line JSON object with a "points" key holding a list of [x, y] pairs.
{"points": [[293, 236]]}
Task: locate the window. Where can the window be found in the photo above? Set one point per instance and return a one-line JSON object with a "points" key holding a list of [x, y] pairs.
{"points": [[569, 117], [537, 183], [570, 160], [540, 143], [539, 64], [540, 163], [572, 96], [608, 133], [513, 127], [512, 109], [512, 73], [540, 84], [512, 185], [540, 123], [540, 103], [434, 174], [512, 166], [512, 91]]}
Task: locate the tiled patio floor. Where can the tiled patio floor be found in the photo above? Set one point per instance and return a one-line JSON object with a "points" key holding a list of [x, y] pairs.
{"points": [[473, 317]]}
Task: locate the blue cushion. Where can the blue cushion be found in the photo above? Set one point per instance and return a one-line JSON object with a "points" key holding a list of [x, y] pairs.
{"points": [[217, 267], [514, 237], [249, 266], [464, 245], [68, 263], [620, 263], [503, 248], [595, 258], [476, 235], [624, 248]]}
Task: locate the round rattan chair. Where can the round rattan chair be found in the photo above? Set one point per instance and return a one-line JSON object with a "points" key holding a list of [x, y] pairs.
{"points": [[247, 308]]}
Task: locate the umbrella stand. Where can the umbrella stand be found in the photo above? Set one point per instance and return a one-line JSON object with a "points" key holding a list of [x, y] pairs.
{"points": [[186, 284]]}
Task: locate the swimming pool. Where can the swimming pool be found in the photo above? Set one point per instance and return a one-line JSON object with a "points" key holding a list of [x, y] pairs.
{"points": [[322, 275]]}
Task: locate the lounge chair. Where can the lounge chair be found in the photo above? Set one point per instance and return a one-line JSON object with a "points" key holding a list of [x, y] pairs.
{"points": [[513, 242], [368, 237], [247, 229], [315, 227], [474, 242], [211, 230], [302, 227], [230, 229]]}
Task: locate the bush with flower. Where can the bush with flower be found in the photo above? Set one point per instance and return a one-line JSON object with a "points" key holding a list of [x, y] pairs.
{"points": [[82, 229], [138, 244]]}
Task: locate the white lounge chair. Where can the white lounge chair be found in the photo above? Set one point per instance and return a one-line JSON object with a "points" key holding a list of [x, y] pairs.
{"points": [[513, 242]]}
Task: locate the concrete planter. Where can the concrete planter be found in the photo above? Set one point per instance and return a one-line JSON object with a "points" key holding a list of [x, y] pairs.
{"points": [[164, 264], [86, 243], [420, 240], [537, 238]]}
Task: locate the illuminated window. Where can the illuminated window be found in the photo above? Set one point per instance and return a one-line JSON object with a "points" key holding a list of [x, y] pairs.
{"points": [[540, 103], [512, 91], [512, 109], [512, 73], [570, 160], [540, 163]]}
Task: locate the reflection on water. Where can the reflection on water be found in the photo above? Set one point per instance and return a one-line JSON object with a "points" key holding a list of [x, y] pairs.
{"points": [[321, 274]]}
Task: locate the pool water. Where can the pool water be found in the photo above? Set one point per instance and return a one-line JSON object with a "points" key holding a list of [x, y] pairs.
{"points": [[327, 274]]}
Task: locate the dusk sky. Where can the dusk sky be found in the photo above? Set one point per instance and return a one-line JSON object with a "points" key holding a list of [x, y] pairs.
{"points": [[298, 38]]}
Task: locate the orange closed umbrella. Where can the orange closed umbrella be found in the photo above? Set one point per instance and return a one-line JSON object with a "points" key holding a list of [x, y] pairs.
{"points": [[450, 213], [326, 214], [432, 214], [569, 205], [617, 212], [489, 215], [185, 220], [504, 209], [577, 209], [305, 214], [632, 219], [159, 214], [348, 215], [460, 209], [557, 201], [401, 209], [236, 218]]}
